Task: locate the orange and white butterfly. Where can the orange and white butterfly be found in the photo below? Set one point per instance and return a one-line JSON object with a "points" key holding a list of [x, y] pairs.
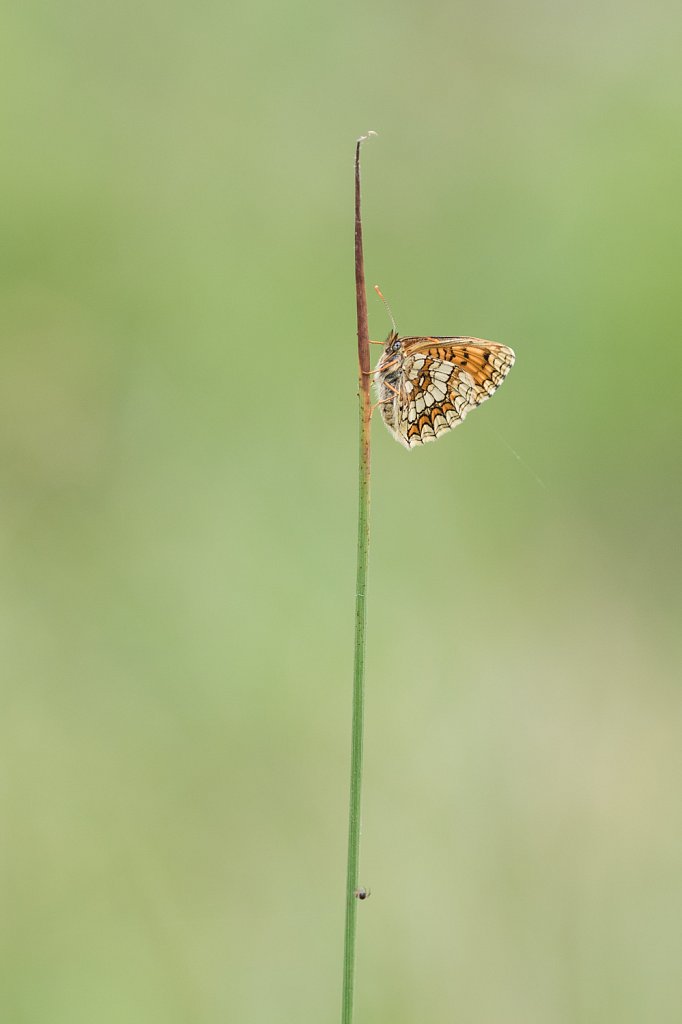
{"points": [[426, 386]]}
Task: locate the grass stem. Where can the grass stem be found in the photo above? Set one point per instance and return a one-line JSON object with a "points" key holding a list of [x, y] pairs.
{"points": [[365, 410]]}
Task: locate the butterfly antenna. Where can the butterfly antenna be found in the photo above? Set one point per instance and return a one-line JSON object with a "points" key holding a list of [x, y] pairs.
{"points": [[377, 289], [516, 455]]}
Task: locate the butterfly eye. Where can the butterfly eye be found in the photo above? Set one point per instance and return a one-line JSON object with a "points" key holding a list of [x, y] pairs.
{"points": [[396, 345]]}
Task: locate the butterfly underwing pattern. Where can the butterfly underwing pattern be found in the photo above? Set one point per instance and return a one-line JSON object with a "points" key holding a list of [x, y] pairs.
{"points": [[426, 386]]}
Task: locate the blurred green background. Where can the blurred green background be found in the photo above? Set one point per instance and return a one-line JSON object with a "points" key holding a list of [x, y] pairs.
{"points": [[178, 437]]}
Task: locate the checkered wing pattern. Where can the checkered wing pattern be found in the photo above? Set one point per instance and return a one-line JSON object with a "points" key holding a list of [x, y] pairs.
{"points": [[428, 385]]}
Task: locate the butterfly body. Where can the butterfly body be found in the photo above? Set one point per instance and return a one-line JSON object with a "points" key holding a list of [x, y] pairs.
{"points": [[426, 386]]}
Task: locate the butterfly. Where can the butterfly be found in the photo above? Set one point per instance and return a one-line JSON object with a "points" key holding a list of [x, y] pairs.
{"points": [[426, 386]]}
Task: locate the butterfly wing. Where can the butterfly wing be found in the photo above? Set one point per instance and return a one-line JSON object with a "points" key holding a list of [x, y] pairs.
{"points": [[441, 380]]}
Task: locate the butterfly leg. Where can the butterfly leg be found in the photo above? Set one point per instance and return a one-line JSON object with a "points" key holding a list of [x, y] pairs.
{"points": [[385, 401], [382, 401], [385, 367]]}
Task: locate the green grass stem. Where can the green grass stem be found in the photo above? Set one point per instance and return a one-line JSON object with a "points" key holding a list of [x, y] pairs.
{"points": [[365, 410]]}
